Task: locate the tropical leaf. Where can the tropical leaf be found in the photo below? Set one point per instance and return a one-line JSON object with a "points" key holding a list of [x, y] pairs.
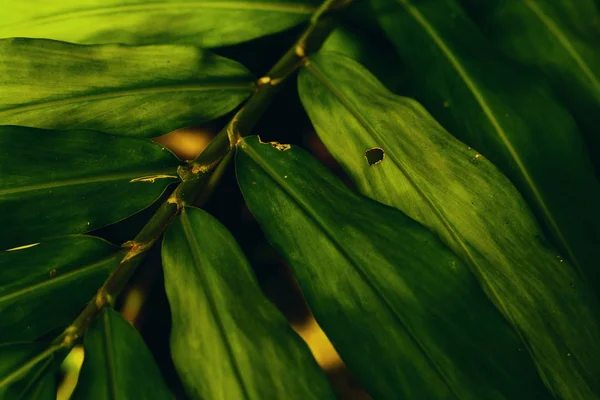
{"points": [[207, 23], [228, 341], [27, 371], [62, 182], [559, 38], [401, 310], [44, 287], [124, 90], [453, 190], [117, 363], [506, 114]]}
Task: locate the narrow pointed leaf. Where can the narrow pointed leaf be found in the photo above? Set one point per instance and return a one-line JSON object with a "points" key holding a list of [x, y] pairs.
{"points": [[228, 341], [27, 371], [450, 188], [45, 286], [124, 90], [117, 363], [508, 115], [559, 38], [404, 313], [54, 183], [207, 23]]}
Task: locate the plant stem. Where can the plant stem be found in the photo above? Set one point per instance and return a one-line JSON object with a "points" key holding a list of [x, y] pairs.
{"points": [[196, 176]]}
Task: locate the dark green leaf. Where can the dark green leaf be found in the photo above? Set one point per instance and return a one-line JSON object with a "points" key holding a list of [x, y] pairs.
{"points": [[228, 341], [207, 23], [507, 115], [558, 37], [450, 188], [60, 182], [117, 363], [124, 90], [44, 287], [27, 371], [406, 315]]}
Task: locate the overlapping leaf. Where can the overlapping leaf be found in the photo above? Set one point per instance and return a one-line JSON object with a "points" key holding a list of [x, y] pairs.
{"points": [[44, 287], [61, 182], [559, 38], [506, 114], [405, 314], [450, 188], [228, 341], [27, 371], [117, 363], [207, 23], [124, 90]]}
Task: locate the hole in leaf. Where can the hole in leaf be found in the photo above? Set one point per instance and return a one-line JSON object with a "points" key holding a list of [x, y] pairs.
{"points": [[374, 155]]}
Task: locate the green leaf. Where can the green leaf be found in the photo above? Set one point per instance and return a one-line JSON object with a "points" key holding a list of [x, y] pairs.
{"points": [[45, 286], [61, 182], [559, 38], [228, 341], [117, 363], [406, 316], [507, 115], [207, 23], [134, 91], [453, 190], [27, 371]]}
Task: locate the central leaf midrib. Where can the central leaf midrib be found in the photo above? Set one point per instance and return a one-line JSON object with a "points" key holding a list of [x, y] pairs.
{"points": [[289, 8], [110, 356], [103, 178], [200, 87], [313, 215]]}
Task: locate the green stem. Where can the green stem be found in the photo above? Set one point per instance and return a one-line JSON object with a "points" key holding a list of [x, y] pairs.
{"points": [[197, 175]]}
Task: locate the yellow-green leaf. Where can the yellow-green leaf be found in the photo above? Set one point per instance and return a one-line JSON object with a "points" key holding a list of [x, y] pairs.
{"points": [[405, 314], [228, 341], [207, 23], [457, 193], [123, 90], [507, 114]]}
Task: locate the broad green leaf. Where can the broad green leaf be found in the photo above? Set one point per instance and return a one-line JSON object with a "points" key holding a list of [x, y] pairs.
{"points": [[457, 193], [228, 341], [117, 363], [45, 286], [507, 115], [207, 23], [123, 90], [558, 37], [54, 183], [405, 314], [27, 371]]}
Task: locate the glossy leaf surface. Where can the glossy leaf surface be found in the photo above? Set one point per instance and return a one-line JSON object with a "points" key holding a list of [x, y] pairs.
{"points": [[228, 341], [123, 90], [506, 114], [450, 188], [45, 286], [559, 38], [117, 363], [207, 23], [27, 371], [401, 310], [61, 182]]}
